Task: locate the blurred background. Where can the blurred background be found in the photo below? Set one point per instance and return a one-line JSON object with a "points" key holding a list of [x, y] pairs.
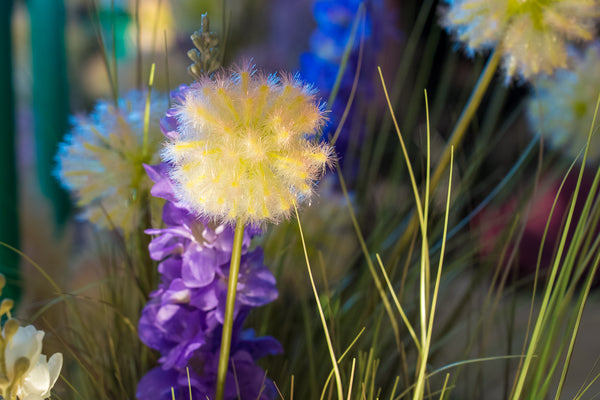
{"points": [[59, 57]]}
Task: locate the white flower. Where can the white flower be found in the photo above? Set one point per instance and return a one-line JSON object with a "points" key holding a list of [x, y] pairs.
{"points": [[531, 34], [40, 374], [564, 106]]}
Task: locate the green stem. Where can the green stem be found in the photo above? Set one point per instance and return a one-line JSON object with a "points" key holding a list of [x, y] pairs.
{"points": [[147, 112], [458, 134], [234, 270]]}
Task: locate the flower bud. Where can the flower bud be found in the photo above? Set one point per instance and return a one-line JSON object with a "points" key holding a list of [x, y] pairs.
{"points": [[10, 328], [6, 306], [2, 282]]}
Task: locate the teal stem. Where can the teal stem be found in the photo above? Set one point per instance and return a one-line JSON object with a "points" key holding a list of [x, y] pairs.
{"points": [[9, 208], [234, 270], [50, 95]]}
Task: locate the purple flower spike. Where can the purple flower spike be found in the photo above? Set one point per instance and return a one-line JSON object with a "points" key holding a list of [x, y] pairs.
{"points": [[184, 317]]}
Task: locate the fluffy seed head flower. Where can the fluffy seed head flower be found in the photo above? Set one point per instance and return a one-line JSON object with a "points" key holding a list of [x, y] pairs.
{"points": [[242, 147], [101, 159], [564, 107], [532, 34]]}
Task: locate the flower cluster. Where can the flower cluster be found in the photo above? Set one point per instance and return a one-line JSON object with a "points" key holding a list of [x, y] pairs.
{"points": [[531, 34], [101, 159], [328, 42], [239, 146], [29, 374], [564, 105], [25, 373], [184, 317]]}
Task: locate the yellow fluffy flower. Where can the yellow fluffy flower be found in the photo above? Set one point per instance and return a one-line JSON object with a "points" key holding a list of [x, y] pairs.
{"points": [[243, 148], [564, 107], [532, 34]]}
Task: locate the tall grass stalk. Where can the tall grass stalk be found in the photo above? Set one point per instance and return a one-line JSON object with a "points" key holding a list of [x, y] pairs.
{"points": [[357, 70], [147, 112], [408, 57], [373, 272], [112, 80], [340, 359], [426, 309], [456, 136], [338, 377], [554, 301], [347, 51]]}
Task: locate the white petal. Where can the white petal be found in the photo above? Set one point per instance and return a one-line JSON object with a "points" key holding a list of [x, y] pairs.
{"points": [[33, 397], [41, 378], [27, 342], [37, 381], [54, 366]]}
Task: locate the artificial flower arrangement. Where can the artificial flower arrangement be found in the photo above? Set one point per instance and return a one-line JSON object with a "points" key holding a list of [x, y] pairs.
{"points": [[211, 198]]}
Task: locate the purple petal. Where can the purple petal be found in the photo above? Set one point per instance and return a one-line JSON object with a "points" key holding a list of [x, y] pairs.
{"points": [[199, 266], [177, 292], [162, 246], [205, 298], [170, 269], [176, 215], [155, 172], [156, 385]]}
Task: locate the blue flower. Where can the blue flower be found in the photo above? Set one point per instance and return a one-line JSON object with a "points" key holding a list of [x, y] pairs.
{"points": [[335, 20], [100, 160]]}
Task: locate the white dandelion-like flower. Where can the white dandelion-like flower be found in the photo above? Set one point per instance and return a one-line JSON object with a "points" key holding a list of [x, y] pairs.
{"points": [[101, 159], [564, 106], [531, 34], [243, 148]]}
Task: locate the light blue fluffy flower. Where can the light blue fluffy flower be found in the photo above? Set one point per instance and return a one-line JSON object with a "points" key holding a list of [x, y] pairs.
{"points": [[100, 160], [564, 106]]}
